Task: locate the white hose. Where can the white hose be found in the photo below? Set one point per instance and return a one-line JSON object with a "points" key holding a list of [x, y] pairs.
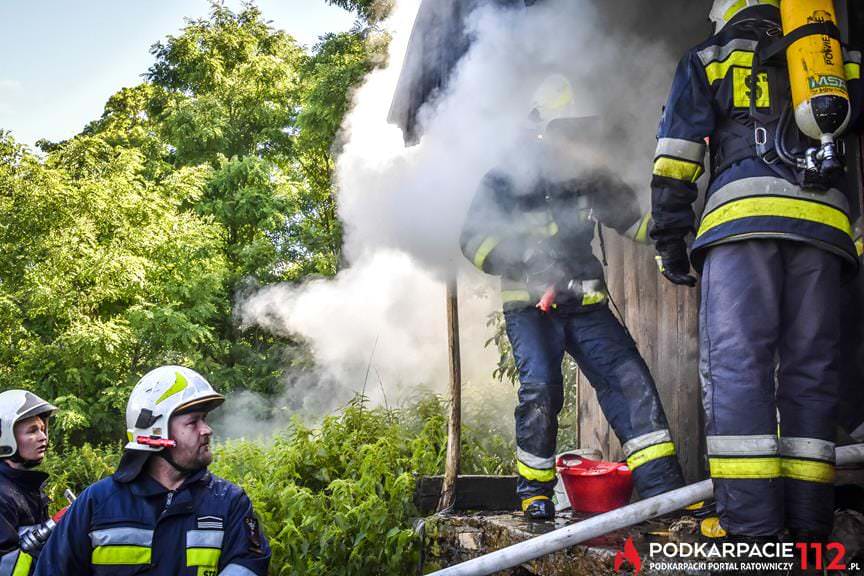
{"points": [[605, 523]]}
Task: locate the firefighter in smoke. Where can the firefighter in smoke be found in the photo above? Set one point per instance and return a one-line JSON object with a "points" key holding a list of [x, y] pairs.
{"points": [[532, 222], [23, 504], [162, 512], [774, 248]]}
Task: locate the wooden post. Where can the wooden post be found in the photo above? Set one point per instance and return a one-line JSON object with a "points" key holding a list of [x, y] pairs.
{"points": [[454, 425]]}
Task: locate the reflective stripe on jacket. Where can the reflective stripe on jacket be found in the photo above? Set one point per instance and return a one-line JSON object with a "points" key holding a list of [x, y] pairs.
{"points": [[23, 505], [504, 223], [205, 528], [710, 99]]}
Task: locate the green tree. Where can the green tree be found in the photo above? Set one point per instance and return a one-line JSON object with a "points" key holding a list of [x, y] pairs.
{"points": [[103, 274]]}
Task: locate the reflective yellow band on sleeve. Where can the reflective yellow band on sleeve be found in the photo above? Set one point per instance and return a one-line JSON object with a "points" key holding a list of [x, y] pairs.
{"points": [[535, 474], [527, 502], [590, 298], [677, 169], [121, 555], [642, 232], [718, 70], [853, 71], [859, 246], [515, 296], [778, 207], [807, 470], [650, 453], [484, 250], [23, 565], [742, 468], [202, 556]]}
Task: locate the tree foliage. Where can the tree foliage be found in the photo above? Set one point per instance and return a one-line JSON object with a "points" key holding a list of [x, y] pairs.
{"points": [[128, 246]]}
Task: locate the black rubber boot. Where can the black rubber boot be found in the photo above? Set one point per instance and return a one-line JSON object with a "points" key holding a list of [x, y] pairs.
{"points": [[540, 510]]}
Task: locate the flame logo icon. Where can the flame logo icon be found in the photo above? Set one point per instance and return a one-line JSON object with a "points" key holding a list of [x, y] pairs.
{"points": [[631, 555]]}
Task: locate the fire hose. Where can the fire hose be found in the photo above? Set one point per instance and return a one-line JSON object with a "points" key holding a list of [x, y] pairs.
{"points": [[601, 524], [32, 540]]}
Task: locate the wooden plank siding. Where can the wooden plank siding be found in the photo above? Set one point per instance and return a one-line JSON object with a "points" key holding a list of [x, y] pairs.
{"points": [[663, 320]]}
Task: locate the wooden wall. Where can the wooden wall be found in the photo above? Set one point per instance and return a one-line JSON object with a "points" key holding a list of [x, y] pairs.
{"points": [[663, 320]]}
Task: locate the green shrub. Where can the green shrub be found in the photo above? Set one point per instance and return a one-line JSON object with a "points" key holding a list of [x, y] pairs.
{"points": [[336, 499]]}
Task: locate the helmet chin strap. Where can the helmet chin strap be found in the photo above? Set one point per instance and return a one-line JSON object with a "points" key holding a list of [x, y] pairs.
{"points": [[165, 455], [28, 464]]}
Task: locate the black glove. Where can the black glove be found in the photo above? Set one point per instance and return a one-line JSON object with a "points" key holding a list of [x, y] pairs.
{"points": [[674, 263]]}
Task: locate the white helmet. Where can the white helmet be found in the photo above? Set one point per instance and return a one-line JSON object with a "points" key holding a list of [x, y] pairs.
{"points": [[160, 394], [724, 10], [17, 405]]}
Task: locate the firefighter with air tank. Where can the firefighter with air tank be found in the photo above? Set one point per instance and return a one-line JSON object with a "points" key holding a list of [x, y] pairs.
{"points": [[770, 92], [161, 513]]}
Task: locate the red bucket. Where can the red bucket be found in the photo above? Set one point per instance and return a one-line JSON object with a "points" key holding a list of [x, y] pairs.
{"points": [[595, 485]]}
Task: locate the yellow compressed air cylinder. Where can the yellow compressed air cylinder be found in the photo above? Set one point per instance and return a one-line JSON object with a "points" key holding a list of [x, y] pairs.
{"points": [[816, 73]]}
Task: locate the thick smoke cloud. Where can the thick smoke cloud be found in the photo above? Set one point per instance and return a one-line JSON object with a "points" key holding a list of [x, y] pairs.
{"points": [[403, 208]]}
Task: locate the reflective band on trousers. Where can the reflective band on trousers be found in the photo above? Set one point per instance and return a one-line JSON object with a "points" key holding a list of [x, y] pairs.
{"points": [[807, 470], [743, 468], [15, 563], [528, 501], [236, 570], [121, 555], [762, 186], [651, 453], [777, 207], [755, 445], [681, 149], [677, 169], [807, 448], [534, 461], [121, 536], [535, 474], [646, 440]]}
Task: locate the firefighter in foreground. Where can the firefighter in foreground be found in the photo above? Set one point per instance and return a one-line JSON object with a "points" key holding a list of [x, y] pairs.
{"points": [[774, 248], [24, 521], [161, 513], [534, 228]]}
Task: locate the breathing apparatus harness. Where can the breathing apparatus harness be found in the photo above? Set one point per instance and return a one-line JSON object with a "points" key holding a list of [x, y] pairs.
{"points": [[771, 135]]}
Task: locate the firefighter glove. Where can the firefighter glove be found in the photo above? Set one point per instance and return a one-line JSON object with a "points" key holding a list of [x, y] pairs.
{"points": [[674, 263]]}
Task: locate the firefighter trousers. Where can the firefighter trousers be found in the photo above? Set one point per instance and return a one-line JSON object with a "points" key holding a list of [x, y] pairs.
{"points": [[770, 330], [608, 357]]}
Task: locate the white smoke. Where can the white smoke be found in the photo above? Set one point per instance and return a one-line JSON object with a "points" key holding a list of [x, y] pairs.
{"points": [[403, 208]]}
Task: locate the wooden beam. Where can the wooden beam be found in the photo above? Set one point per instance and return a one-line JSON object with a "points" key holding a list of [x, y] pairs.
{"points": [[490, 493], [454, 425]]}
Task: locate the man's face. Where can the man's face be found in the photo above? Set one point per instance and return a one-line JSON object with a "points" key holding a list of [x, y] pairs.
{"points": [[192, 435], [32, 438]]}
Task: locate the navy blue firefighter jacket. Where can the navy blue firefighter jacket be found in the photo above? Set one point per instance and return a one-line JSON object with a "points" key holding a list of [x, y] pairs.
{"points": [[205, 528]]}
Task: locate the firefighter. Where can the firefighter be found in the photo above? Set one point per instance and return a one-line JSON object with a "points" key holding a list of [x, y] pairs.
{"points": [[162, 512], [774, 256], [533, 227], [23, 504]]}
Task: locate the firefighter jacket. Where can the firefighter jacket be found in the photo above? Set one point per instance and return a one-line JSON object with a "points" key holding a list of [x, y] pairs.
{"points": [[23, 505], [747, 197], [505, 222], [204, 528]]}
